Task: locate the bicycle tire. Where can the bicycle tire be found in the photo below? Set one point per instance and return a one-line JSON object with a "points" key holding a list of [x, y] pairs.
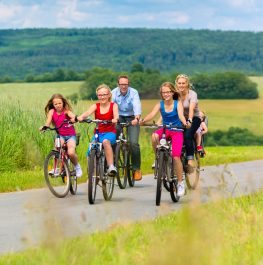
{"points": [[93, 175], [192, 178], [169, 171], [73, 179], [57, 175], [173, 190], [121, 162], [160, 173], [130, 175], [107, 180]]}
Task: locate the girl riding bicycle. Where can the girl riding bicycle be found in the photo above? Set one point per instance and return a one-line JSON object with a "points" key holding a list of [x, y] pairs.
{"points": [[105, 110], [57, 111], [172, 114]]}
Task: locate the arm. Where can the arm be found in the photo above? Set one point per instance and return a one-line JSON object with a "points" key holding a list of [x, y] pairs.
{"points": [[87, 113], [71, 115], [180, 110], [137, 108], [49, 117], [115, 113], [151, 115], [48, 121], [192, 104]]}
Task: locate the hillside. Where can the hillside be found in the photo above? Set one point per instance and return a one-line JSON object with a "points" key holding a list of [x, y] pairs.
{"points": [[36, 51]]}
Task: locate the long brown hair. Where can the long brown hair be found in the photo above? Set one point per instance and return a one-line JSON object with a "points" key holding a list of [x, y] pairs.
{"points": [[49, 106]]}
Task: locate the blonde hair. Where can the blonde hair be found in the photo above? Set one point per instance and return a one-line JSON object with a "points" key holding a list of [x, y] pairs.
{"points": [[186, 77], [104, 86]]}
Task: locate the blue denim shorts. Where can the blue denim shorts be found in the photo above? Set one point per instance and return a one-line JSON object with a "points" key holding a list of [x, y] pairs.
{"points": [[104, 136], [67, 138]]}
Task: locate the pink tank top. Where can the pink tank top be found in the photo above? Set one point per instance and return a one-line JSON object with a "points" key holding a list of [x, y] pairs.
{"points": [[66, 129]]}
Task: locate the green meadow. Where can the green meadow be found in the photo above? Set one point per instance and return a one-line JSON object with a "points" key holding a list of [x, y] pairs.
{"points": [[23, 148], [218, 233]]}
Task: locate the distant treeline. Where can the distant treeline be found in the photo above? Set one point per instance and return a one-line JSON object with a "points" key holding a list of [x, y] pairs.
{"points": [[229, 85], [26, 52]]}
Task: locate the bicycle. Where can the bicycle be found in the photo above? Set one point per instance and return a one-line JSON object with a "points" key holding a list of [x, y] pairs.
{"points": [[123, 157], [192, 178], [59, 172], [164, 165], [97, 166]]}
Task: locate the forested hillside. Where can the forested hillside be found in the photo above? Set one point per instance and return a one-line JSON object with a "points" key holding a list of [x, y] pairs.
{"points": [[37, 51]]}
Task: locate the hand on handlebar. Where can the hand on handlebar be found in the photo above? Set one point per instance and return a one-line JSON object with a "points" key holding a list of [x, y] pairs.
{"points": [[43, 128]]}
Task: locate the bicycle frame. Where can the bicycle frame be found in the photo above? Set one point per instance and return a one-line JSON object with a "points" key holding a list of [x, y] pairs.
{"points": [[97, 167], [57, 168]]}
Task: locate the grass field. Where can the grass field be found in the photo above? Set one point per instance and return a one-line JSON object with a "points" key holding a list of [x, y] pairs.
{"points": [[23, 148], [219, 233]]}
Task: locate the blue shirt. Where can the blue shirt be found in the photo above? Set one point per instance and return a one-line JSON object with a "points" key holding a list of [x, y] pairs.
{"points": [[170, 117], [129, 104]]}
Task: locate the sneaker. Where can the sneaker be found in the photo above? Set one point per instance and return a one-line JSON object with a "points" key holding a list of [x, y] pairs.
{"points": [[180, 189], [137, 175], [54, 172], [112, 171], [199, 148], [78, 171]]}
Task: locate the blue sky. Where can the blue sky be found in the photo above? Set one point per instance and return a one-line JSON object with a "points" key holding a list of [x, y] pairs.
{"points": [[243, 15]]}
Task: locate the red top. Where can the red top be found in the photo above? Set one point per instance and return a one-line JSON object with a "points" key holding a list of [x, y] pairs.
{"points": [[105, 116]]}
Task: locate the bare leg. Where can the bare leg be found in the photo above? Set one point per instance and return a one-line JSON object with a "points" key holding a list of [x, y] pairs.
{"points": [[108, 152], [198, 138], [178, 168], [155, 141], [72, 152]]}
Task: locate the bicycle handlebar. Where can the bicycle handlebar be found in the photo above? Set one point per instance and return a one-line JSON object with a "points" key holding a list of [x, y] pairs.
{"points": [[170, 126], [96, 121], [46, 128]]}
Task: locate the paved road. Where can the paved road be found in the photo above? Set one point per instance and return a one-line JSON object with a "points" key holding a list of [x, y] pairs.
{"points": [[31, 217]]}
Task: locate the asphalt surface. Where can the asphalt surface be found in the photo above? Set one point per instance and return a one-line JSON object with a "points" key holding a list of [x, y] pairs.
{"points": [[30, 218]]}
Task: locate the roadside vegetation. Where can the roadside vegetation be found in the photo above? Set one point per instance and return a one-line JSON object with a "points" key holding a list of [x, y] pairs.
{"points": [[223, 232], [23, 148]]}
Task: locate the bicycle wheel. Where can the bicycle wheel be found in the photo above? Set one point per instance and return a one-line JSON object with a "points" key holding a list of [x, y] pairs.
{"points": [[107, 181], [192, 178], [57, 175], [160, 174], [73, 179], [173, 190], [93, 175], [120, 162], [130, 176], [169, 171]]}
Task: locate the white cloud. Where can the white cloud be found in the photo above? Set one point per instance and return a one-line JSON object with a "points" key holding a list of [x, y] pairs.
{"points": [[211, 14], [68, 13], [8, 11]]}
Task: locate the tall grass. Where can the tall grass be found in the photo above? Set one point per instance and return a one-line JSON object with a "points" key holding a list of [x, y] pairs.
{"points": [[23, 148]]}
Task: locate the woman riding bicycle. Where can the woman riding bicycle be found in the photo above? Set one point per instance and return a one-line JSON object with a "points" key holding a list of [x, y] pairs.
{"points": [[105, 110], [171, 110], [191, 113], [58, 110]]}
